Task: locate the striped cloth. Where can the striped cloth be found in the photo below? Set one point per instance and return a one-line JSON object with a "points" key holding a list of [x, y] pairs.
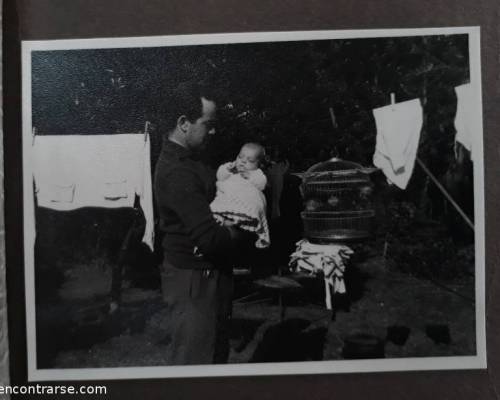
{"points": [[328, 259]]}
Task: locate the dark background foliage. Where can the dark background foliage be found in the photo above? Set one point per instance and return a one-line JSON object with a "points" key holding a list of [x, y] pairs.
{"points": [[277, 93]]}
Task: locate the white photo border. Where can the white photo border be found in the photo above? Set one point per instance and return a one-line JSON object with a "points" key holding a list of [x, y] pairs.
{"points": [[286, 368]]}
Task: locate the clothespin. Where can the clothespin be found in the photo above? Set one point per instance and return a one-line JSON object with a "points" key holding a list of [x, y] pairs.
{"points": [[146, 131], [393, 99], [33, 135]]}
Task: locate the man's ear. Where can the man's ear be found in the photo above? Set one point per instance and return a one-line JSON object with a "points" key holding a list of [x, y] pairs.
{"points": [[183, 123]]}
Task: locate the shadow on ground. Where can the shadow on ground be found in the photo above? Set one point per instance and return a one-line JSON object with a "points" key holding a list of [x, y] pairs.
{"points": [[291, 340]]}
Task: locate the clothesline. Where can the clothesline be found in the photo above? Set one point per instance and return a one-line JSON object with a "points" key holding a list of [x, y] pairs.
{"points": [[398, 169]]}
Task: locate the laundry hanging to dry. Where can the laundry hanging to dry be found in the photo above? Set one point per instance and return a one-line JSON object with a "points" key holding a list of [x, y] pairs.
{"points": [[466, 117], [398, 135], [75, 171]]}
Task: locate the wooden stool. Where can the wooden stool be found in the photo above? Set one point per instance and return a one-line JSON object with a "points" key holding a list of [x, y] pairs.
{"points": [[281, 284]]}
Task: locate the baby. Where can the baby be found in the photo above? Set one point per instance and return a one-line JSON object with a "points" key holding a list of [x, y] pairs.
{"points": [[239, 198], [247, 165]]}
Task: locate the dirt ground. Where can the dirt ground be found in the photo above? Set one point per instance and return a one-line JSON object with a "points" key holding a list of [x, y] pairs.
{"points": [[381, 303]]}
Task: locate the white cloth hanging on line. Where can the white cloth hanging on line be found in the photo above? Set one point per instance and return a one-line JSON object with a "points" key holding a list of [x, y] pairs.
{"points": [[465, 119], [75, 171], [398, 135]]}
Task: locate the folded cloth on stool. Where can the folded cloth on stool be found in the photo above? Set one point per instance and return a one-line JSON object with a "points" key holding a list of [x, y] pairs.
{"points": [[330, 259]]}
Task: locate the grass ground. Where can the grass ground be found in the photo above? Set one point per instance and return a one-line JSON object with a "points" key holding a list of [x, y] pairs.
{"points": [[380, 297]]}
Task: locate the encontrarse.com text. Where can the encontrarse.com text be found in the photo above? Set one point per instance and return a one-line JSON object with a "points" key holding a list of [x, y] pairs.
{"points": [[47, 389]]}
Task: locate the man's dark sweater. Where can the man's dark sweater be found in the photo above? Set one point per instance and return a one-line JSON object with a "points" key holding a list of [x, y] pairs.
{"points": [[184, 189]]}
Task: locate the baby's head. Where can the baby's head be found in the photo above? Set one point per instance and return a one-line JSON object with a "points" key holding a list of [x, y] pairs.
{"points": [[250, 157]]}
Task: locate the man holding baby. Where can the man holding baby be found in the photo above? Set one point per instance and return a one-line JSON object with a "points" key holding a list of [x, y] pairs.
{"points": [[199, 252]]}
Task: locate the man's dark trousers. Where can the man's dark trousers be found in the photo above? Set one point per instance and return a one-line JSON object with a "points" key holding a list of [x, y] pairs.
{"points": [[199, 304]]}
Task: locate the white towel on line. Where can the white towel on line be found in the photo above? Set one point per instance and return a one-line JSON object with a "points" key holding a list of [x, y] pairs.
{"points": [[398, 135], [75, 171], [465, 119]]}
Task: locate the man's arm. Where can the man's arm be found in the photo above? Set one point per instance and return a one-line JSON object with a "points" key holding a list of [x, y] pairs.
{"points": [[184, 194]]}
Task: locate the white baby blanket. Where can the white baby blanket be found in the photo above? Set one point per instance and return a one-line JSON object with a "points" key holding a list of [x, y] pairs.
{"points": [[240, 201], [75, 171]]}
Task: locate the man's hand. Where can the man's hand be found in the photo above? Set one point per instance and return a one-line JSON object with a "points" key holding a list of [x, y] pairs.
{"points": [[243, 240]]}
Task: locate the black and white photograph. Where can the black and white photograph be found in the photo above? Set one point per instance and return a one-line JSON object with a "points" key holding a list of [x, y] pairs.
{"points": [[253, 204]]}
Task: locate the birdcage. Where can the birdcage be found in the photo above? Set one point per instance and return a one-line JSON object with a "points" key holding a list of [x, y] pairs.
{"points": [[337, 201]]}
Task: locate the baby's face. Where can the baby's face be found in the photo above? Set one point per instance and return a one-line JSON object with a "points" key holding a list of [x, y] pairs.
{"points": [[248, 159]]}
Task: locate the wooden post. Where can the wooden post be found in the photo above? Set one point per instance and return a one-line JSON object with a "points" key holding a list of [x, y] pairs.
{"points": [[446, 194]]}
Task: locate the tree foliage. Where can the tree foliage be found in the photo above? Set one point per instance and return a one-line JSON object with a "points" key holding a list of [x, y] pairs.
{"points": [[277, 93]]}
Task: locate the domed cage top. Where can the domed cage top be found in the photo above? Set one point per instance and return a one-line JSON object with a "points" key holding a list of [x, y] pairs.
{"points": [[338, 203]]}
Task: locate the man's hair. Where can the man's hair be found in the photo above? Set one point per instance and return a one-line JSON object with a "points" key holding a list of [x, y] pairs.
{"points": [[256, 146], [185, 99]]}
